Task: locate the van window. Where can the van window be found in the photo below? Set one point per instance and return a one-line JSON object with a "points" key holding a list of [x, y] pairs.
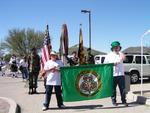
{"points": [[138, 60], [128, 59], [102, 60], [97, 58], [148, 59]]}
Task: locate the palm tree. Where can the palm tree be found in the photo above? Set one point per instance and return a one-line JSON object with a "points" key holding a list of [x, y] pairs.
{"points": [[20, 42]]}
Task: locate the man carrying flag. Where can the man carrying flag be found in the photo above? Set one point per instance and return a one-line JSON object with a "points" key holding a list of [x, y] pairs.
{"points": [[52, 69], [117, 58]]}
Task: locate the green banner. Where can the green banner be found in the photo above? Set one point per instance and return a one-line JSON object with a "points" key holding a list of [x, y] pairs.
{"points": [[87, 82]]}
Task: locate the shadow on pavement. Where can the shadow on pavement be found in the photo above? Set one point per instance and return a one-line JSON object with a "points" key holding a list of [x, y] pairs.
{"points": [[18, 110], [38, 93], [132, 104], [84, 107], [79, 107]]}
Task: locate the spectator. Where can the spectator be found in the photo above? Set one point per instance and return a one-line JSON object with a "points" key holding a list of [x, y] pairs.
{"points": [[2, 66], [13, 65], [90, 59], [73, 59], [24, 68]]}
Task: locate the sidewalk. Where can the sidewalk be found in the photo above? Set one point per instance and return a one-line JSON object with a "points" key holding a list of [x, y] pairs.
{"points": [[14, 88], [135, 93], [4, 106], [7, 105]]}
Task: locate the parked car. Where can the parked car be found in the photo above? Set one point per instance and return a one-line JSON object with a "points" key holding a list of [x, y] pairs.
{"points": [[132, 65]]}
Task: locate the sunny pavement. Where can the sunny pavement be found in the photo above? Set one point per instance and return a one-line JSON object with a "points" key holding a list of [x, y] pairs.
{"points": [[14, 88]]}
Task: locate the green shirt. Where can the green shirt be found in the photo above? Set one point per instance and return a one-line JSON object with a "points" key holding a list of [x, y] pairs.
{"points": [[34, 63]]}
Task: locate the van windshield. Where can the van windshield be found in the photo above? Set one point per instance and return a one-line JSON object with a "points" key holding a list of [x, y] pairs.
{"points": [[128, 59]]}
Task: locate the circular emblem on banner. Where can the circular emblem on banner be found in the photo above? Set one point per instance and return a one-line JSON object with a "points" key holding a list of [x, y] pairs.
{"points": [[88, 83]]}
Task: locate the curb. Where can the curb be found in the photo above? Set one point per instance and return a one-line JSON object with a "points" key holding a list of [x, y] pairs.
{"points": [[138, 99], [13, 105]]}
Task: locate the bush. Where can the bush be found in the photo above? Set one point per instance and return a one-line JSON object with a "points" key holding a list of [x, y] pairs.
{"points": [[7, 57]]}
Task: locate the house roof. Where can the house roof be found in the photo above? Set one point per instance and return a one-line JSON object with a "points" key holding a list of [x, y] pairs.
{"points": [[137, 50], [93, 52]]}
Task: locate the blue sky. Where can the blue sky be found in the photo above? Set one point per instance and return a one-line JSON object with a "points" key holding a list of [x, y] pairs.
{"points": [[122, 20]]}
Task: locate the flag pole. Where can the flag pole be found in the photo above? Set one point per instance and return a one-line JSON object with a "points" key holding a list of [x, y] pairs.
{"points": [[142, 37], [142, 65]]}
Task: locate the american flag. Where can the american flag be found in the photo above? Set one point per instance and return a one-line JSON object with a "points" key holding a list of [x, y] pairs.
{"points": [[46, 48]]}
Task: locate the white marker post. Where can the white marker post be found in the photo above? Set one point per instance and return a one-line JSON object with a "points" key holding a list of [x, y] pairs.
{"points": [[146, 33]]}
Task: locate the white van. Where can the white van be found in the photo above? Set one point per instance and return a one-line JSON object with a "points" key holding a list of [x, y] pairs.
{"points": [[132, 65], [99, 59]]}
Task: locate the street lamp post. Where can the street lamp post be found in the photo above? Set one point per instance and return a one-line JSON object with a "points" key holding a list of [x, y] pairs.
{"points": [[142, 37], [89, 12]]}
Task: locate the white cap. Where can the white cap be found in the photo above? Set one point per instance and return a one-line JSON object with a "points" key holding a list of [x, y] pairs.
{"points": [[53, 53]]}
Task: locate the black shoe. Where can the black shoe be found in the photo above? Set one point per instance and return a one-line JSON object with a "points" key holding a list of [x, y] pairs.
{"points": [[125, 104], [115, 104], [29, 93], [32, 92], [35, 92], [61, 107]]}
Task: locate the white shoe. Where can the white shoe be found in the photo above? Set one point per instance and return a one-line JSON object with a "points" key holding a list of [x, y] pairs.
{"points": [[44, 108]]}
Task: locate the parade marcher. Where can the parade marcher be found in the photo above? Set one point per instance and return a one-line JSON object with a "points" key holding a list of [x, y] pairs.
{"points": [[117, 58], [52, 68], [24, 68], [34, 68], [72, 59], [13, 65]]}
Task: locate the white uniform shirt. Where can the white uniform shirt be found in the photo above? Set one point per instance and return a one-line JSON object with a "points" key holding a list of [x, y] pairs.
{"points": [[53, 78], [12, 59], [116, 58], [23, 63]]}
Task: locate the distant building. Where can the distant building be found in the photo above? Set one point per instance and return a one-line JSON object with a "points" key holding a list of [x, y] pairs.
{"points": [[93, 52], [137, 50]]}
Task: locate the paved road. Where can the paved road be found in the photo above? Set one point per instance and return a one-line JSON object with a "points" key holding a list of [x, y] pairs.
{"points": [[14, 88]]}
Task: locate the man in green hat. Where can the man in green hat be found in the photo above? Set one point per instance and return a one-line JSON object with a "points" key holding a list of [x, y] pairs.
{"points": [[117, 58]]}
